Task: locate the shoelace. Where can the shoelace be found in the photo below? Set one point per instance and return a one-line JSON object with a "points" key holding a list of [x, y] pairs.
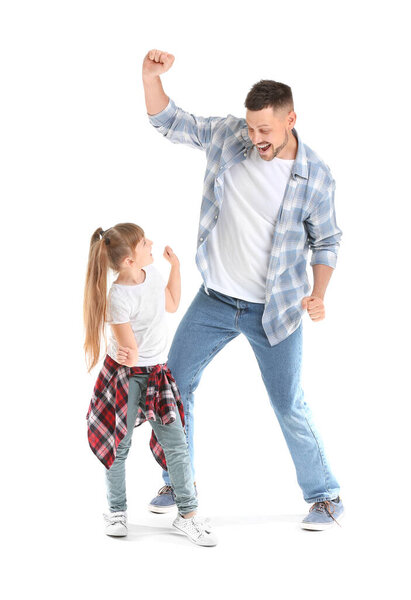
{"points": [[196, 527], [166, 489], [327, 507]]}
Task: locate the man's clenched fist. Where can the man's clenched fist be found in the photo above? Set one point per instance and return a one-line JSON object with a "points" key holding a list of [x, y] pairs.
{"points": [[156, 62], [314, 306]]}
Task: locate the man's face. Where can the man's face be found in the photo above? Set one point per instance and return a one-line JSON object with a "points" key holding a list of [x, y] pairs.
{"points": [[269, 130]]}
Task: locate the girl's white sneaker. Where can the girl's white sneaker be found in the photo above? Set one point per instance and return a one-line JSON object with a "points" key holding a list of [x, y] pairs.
{"points": [[116, 523], [196, 529]]}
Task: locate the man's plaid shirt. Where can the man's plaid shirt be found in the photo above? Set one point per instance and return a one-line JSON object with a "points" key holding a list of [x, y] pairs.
{"points": [[306, 220]]}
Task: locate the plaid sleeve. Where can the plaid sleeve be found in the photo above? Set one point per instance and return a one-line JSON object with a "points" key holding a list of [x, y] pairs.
{"points": [[323, 232], [181, 127]]}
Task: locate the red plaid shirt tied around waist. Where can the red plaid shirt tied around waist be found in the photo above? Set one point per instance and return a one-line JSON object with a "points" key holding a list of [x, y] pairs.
{"points": [[107, 413]]}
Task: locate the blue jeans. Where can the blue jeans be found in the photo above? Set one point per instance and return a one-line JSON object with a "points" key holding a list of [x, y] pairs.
{"points": [[173, 441], [211, 322]]}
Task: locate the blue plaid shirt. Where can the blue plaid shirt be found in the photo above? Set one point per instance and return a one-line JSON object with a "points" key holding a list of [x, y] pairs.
{"points": [[306, 219]]}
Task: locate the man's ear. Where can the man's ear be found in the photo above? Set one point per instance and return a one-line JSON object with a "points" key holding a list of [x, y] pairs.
{"points": [[291, 119]]}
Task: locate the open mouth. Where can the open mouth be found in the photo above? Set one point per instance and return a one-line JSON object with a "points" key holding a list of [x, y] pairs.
{"points": [[263, 148]]}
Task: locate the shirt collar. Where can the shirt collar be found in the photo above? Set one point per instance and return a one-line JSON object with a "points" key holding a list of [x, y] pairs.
{"points": [[300, 166]]}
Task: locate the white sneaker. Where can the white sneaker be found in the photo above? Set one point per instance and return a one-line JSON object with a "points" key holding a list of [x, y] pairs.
{"points": [[197, 530], [116, 523]]}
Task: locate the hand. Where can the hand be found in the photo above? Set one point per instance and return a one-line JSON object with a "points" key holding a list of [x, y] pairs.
{"points": [[171, 257], [123, 354], [156, 62], [315, 307]]}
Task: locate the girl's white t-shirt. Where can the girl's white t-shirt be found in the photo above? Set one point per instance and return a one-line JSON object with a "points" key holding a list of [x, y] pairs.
{"points": [[144, 307], [239, 247]]}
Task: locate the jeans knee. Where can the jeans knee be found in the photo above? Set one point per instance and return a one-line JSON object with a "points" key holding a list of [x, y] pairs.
{"points": [[175, 450]]}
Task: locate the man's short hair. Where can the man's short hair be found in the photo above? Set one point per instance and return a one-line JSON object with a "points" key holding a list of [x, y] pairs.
{"points": [[269, 93]]}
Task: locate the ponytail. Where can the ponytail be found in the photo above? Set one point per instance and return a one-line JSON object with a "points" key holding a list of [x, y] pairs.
{"points": [[95, 297]]}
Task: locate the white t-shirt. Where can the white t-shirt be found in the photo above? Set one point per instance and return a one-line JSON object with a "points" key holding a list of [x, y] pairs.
{"points": [[143, 306], [239, 246]]}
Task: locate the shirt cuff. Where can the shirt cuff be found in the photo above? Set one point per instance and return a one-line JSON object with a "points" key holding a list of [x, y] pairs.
{"points": [[165, 115], [324, 257]]}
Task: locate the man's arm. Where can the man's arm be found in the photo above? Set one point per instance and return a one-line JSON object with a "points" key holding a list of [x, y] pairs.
{"points": [[324, 239], [323, 232], [314, 304], [322, 275], [177, 125], [155, 64]]}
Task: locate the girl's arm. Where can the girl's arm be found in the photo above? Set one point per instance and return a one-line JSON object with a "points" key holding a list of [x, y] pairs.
{"points": [[173, 288], [127, 353]]}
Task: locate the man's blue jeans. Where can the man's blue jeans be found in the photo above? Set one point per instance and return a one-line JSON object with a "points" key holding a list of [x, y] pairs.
{"points": [[212, 321]]}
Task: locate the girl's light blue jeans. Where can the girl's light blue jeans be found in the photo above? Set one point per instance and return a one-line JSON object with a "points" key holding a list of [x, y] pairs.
{"points": [[211, 322], [173, 441]]}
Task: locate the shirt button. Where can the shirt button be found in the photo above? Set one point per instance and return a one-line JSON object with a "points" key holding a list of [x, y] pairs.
{"points": [[245, 153], [201, 239], [216, 217]]}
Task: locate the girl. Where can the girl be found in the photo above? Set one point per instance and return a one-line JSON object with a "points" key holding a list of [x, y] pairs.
{"points": [[135, 384]]}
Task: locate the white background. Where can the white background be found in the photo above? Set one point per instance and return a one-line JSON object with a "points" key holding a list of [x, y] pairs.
{"points": [[77, 152]]}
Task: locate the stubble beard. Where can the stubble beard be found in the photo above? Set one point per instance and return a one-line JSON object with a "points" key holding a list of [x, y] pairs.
{"points": [[281, 147]]}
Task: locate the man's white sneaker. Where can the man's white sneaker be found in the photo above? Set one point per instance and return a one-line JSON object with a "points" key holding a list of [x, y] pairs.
{"points": [[196, 529], [116, 523]]}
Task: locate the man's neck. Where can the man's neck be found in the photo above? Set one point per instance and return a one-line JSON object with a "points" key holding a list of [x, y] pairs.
{"points": [[290, 150]]}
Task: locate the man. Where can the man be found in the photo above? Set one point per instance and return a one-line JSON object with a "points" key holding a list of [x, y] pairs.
{"points": [[268, 199]]}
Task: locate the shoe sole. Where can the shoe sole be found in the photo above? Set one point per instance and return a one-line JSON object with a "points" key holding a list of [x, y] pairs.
{"points": [[117, 534], [161, 509], [321, 526]]}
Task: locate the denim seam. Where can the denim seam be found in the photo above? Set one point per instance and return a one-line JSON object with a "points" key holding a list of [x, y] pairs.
{"points": [[204, 362], [240, 311], [320, 453], [326, 482], [207, 358], [320, 499], [190, 389]]}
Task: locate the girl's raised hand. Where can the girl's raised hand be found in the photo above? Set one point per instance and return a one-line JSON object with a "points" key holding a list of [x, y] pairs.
{"points": [[170, 256]]}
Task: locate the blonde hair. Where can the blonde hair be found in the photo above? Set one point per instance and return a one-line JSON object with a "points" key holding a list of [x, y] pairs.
{"points": [[107, 250]]}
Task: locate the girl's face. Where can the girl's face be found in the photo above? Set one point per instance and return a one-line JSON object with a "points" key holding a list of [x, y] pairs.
{"points": [[143, 256]]}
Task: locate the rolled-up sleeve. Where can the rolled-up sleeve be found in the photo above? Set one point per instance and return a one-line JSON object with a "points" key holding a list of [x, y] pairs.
{"points": [[181, 127], [165, 117], [324, 235]]}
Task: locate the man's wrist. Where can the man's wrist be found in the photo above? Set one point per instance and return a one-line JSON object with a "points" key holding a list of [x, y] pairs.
{"points": [[318, 294], [147, 79]]}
